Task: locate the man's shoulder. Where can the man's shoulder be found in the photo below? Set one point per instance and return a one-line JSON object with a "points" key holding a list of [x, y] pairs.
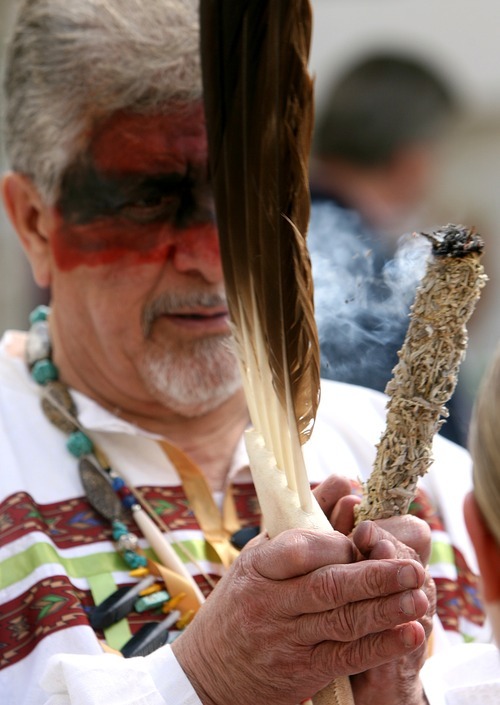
{"points": [[350, 402], [349, 423]]}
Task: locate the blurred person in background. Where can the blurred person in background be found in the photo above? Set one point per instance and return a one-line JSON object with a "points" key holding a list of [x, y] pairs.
{"points": [[471, 675], [375, 151]]}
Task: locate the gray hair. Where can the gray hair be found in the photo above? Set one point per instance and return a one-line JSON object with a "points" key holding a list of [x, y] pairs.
{"points": [[72, 63], [484, 442]]}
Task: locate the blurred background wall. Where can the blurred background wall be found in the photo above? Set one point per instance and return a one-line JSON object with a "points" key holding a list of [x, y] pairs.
{"points": [[460, 39], [16, 288], [456, 36]]}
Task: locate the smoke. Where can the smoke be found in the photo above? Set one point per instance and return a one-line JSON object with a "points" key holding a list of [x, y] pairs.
{"points": [[362, 299]]}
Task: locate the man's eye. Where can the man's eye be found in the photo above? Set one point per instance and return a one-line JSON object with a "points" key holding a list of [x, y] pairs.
{"points": [[151, 208]]}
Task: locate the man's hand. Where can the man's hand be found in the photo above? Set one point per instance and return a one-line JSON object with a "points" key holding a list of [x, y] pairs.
{"points": [[396, 682], [335, 499], [297, 611], [399, 537]]}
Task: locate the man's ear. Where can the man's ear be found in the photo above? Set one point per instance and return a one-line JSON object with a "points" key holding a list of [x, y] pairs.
{"points": [[27, 212], [486, 547]]}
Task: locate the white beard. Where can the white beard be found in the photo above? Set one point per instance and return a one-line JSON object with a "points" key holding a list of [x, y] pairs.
{"points": [[196, 379]]}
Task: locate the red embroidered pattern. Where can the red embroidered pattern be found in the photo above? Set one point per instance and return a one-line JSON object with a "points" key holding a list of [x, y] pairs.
{"points": [[75, 523], [53, 604], [50, 605], [458, 598], [70, 523]]}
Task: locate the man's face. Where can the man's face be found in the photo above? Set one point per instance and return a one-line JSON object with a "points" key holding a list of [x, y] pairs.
{"points": [[136, 271]]}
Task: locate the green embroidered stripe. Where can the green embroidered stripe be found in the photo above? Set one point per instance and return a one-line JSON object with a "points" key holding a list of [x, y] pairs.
{"points": [[101, 587], [441, 552], [23, 564]]}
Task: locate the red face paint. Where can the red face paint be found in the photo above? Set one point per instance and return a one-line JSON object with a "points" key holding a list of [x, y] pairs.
{"points": [[140, 193]]}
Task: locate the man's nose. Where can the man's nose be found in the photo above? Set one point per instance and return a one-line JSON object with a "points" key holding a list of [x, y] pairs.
{"points": [[196, 250]]}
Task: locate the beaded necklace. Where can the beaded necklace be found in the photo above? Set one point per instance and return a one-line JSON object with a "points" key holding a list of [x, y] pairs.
{"points": [[110, 496]]}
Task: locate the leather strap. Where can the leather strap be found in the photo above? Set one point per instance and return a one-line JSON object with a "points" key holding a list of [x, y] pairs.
{"points": [[217, 528]]}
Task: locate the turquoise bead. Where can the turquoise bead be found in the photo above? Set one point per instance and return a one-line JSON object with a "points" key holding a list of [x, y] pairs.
{"points": [[79, 444], [134, 560], [119, 529], [44, 371], [40, 313], [150, 602]]}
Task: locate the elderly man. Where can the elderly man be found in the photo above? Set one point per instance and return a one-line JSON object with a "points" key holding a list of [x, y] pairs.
{"points": [[141, 402]]}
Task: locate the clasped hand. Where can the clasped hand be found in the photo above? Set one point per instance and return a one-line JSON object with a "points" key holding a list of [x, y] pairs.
{"points": [[299, 610]]}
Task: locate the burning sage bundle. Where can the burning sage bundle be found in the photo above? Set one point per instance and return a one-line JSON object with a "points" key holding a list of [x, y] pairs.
{"points": [[426, 375]]}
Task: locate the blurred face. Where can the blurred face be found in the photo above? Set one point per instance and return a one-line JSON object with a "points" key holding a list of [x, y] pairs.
{"points": [[136, 274], [487, 551]]}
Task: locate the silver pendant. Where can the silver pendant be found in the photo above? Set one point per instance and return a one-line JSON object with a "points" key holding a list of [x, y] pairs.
{"points": [[100, 494], [58, 407]]}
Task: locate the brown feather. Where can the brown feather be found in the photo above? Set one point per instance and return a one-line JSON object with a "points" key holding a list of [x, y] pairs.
{"points": [[258, 101]]}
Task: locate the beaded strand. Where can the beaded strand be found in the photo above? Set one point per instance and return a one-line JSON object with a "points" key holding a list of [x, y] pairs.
{"points": [[78, 443], [97, 475]]}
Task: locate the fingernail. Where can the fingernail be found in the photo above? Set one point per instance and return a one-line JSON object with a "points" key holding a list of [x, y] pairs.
{"points": [[407, 603], [407, 577], [408, 636]]}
